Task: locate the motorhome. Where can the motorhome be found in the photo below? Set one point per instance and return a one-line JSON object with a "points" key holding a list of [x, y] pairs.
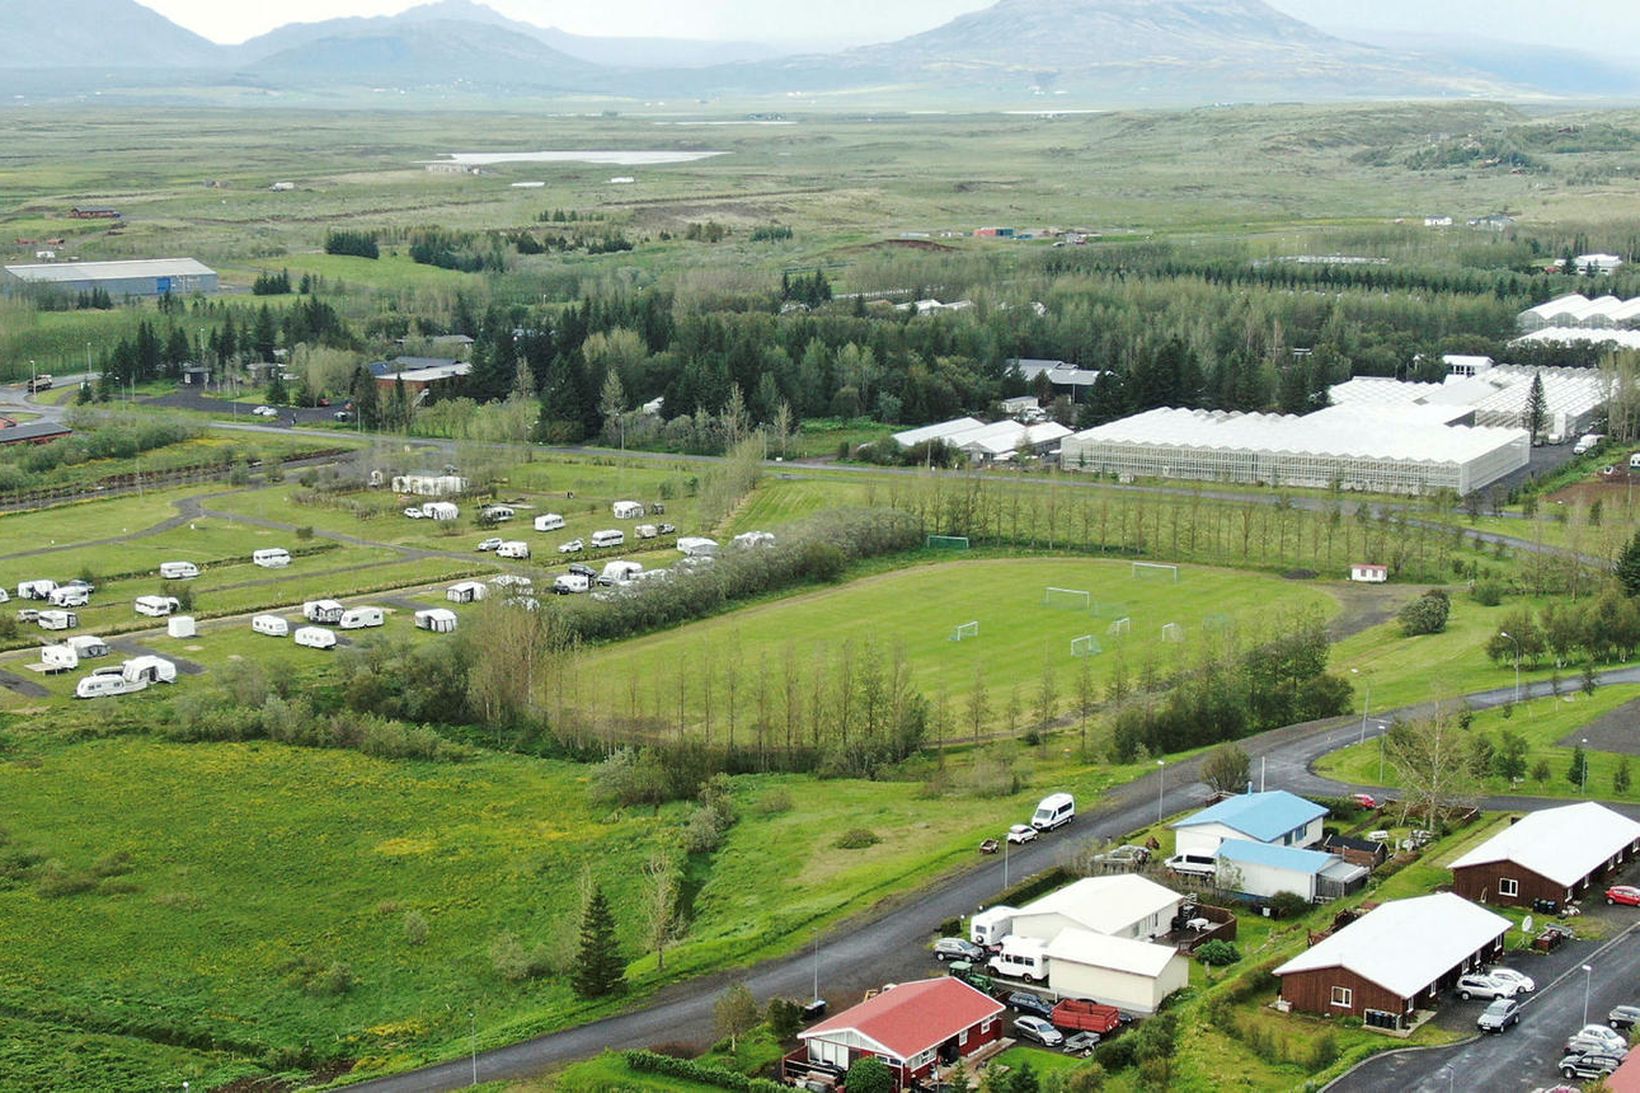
{"points": [[69, 596], [36, 590], [697, 546], [571, 584], [437, 620], [58, 620], [617, 573], [362, 618], [328, 612], [627, 510], [514, 550], [549, 522], [467, 592], [59, 658], [148, 669], [273, 558], [1054, 810], [157, 606], [87, 646], [314, 637], [178, 571], [106, 684], [1021, 958], [605, 539], [271, 625]]}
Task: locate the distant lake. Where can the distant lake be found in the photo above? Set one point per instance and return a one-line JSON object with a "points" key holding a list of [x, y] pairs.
{"points": [[614, 159]]}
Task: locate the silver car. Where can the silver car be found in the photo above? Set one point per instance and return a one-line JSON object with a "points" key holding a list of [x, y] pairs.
{"points": [[1038, 1029]]}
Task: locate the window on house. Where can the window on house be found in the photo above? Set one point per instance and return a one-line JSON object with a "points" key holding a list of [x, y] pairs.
{"points": [[962, 1038], [1508, 887], [1343, 996]]}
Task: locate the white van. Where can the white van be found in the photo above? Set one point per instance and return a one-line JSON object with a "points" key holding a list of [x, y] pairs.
{"points": [[329, 612], [106, 684], [616, 573], [989, 927], [602, 539], [36, 590], [315, 637], [467, 592], [1022, 958], [87, 646], [697, 546], [549, 522], [58, 620], [514, 550], [1634, 462], [148, 669], [271, 625], [69, 596], [1587, 443], [626, 510], [572, 584], [1054, 810], [157, 606], [1193, 865], [362, 618], [274, 558], [437, 620], [178, 571], [59, 658]]}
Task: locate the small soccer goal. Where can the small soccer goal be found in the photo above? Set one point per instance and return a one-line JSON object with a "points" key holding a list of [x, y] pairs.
{"points": [[1077, 599], [1155, 571], [965, 631], [1173, 632], [1086, 646], [947, 542], [1119, 628]]}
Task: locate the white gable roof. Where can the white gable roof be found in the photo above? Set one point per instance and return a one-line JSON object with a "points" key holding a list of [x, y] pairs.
{"points": [[945, 430], [1120, 954], [1105, 905], [1563, 844], [1406, 945]]}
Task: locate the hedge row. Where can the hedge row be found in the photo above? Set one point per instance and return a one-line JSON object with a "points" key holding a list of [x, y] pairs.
{"points": [[691, 1071]]}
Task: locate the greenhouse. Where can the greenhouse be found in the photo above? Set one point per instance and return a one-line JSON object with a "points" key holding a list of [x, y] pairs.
{"points": [[1353, 447]]}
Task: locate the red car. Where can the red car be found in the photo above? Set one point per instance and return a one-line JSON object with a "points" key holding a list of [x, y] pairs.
{"points": [[1365, 800], [1623, 893]]}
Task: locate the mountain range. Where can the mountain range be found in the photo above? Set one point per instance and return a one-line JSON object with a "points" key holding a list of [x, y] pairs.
{"points": [[1103, 52]]}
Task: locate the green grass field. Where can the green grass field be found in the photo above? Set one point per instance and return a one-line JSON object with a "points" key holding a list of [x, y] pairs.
{"points": [[916, 611]]}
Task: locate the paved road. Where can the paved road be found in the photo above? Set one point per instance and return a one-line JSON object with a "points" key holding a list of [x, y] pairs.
{"points": [[888, 943]]}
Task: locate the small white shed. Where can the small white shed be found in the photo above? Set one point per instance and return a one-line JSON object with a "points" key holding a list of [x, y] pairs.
{"points": [[181, 626], [1369, 574], [1134, 976]]}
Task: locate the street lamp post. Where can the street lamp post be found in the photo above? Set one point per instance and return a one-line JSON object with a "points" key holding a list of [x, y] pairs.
{"points": [[473, 1016], [1511, 637], [1366, 703], [1585, 773], [1005, 844], [1161, 785], [1588, 982], [814, 934]]}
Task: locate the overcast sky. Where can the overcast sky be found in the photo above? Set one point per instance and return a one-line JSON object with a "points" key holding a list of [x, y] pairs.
{"points": [[1598, 25]]}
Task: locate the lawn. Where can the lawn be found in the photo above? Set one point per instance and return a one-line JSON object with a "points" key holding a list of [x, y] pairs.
{"points": [[915, 611]]}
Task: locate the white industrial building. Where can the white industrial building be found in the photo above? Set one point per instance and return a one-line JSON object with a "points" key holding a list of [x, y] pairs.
{"points": [[1578, 312], [1573, 335], [121, 279], [1121, 905], [984, 443], [1134, 976], [1390, 450], [1477, 392]]}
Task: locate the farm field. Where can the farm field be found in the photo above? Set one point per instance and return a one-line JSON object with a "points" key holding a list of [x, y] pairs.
{"points": [[916, 611]]}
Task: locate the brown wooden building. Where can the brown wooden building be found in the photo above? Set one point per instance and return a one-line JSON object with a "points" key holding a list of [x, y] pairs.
{"points": [[1554, 854], [1393, 960]]}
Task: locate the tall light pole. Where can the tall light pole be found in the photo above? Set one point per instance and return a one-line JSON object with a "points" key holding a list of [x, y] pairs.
{"points": [[1161, 784], [1588, 982], [473, 1016], [1366, 702], [1511, 637], [814, 934], [1585, 773], [31, 377]]}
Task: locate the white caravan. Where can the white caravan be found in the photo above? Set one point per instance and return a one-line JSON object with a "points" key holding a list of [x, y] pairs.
{"points": [[362, 618], [467, 592], [271, 625], [329, 612], [148, 669], [273, 558], [178, 571], [157, 607], [69, 596], [627, 510], [58, 620], [697, 546], [36, 590], [439, 620], [106, 683], [315, 637], [611, 538], [549, 522], [87, 646], [618, 573], [515, 550], [989, 927], [59, 658]]}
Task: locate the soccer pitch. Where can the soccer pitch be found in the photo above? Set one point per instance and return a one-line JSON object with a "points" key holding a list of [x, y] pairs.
{"points": [[917, 610]]}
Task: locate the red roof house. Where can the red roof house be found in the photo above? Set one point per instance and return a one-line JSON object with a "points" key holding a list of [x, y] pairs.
{"points": [[912, 1027]]}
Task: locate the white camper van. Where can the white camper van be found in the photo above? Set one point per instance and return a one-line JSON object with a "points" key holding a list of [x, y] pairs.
{"points": [[329, 612], [106, 683], [148, 669], [571, 584], [271, 625], [69, 596], [59, 658], [36, 590], [618, 573], [627, 510], [605, 539], [1022, 958], [274, 558], [697, 546], [178, 571], [1054, 810], [438, 620], [362, 618], [58, 620], [990, 926], [515, 550], [157, 607], [315, 637], [549, 522], [87, 646], [466, 592]]}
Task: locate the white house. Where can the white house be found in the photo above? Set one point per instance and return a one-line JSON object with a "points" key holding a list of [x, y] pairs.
{"points": [[1263, 870], [1366, 573], [1134, 976], [1277, 817], [1121, 905]]}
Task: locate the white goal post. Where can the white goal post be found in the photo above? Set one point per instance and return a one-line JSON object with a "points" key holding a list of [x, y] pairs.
{"points": [[965, 630], [1172, 632], [1156, 569], [1119, 627], [1086, 646], [1078, 598]]}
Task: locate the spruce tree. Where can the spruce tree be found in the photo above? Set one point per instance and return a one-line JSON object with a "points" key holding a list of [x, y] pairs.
{"points": [[1628, 567], [1537, 407], [599, 969]]}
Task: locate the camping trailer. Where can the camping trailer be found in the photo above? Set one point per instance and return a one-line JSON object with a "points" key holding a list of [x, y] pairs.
{"points": [[58, 620], [609, 538], [362, 618], [69, 596], [989, 927], [274, 558], [514, 550], [571, 584], [178, 571], [466, 592], [627, 510], [87, 646], [181, 626], [106, 684], [697, 546], [271, 625], [616, 573], [646, 531], [499, 514], [148, 669], [549, 522], [329, 612], [438, 620], [59, 658], [315, 637], [36, 590], [157, 606], [441, 510]]}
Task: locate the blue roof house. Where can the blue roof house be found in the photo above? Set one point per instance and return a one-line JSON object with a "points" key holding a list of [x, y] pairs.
{"points": [[1264, 870], [1277, 818]]}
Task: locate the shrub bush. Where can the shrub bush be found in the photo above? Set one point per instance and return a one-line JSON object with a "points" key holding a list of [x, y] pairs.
{"points": [[1218, 954], [1427, 614], [415, 928], [690, 1070], [515, 963], [775, 802], [1487, 593], [857, 838]]}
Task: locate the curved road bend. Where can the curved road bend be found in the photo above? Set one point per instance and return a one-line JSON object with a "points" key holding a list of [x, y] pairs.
{"points": [[888, 943]]}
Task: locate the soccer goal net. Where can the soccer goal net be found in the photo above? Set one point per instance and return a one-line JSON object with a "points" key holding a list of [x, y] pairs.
{"points": [[1156, 571], [948, 542], [964, 631], [1119, 627], [1173, 632], [1086, 646], [1076, 598]]}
